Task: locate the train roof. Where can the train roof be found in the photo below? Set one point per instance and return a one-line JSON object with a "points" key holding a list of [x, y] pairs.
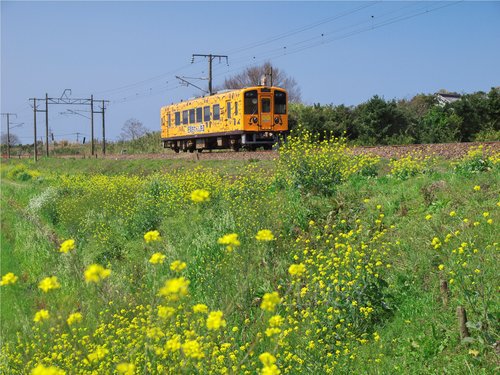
{"points": [[227, 92]]}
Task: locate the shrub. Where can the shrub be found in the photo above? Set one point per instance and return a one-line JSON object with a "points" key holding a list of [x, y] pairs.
{"points": [[319, 166], [478, 159], [410, 165]]}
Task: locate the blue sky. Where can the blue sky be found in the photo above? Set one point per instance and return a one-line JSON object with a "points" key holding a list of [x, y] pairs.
{"points": [[338, 52]]}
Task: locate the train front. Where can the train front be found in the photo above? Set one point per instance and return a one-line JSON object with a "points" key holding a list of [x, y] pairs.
{"points": [[265, 116]]}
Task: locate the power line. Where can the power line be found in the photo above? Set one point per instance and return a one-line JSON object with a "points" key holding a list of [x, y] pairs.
{"points": [[283, 51], [242, 48], [301, 29]]}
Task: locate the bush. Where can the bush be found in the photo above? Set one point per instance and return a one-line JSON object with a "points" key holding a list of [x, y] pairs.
{"points": [[319, 166], [410, 165], [488, 135], [478, 159]]}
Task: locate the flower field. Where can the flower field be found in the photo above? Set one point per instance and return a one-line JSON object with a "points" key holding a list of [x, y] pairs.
{"points": [[321, 261]]}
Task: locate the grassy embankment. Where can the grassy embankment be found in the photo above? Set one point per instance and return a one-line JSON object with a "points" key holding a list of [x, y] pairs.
{"points": [[374, 250]]}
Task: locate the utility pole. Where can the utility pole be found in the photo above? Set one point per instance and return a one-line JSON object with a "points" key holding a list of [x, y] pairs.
{"points": [[92, 124], [103, 132], [46, 125], [65, 100], [8, 131], [210, 59]]}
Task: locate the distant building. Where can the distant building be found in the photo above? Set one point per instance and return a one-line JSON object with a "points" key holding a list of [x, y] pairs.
{"points": [[447, 98]]}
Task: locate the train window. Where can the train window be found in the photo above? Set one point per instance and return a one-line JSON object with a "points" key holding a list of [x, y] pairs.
{"points": [[199, 114], [177, 118], [266, 105], [228, 109], [206, 113], [251, 104], [191, 116], [216, 109], [280, 102], [236, 108], [185, 117]]}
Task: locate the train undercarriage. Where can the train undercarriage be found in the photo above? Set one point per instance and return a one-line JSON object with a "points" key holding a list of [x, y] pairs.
{"points": [[235, 141]]}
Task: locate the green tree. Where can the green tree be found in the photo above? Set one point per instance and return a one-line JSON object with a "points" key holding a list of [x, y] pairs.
{"points": [[473, 109], [439, 125], [380, 122]]}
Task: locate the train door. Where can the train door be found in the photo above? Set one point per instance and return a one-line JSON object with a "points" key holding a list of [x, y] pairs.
{"points": [[266, 118]]}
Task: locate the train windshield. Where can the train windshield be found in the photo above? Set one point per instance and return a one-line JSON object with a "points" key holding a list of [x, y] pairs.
{"points": [[251, 103], [279, 102]]}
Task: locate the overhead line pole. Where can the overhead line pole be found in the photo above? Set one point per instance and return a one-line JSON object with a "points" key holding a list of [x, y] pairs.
{"points": [[210, 59], [8, 131], [34, 130], [103, 132], [35, 110], [65, 100], [92, 124], [46, 125]]}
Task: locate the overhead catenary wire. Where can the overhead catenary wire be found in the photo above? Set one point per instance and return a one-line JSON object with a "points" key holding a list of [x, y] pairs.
{"points": [[148, 92], [239, 63], [283, 51], [244, 48]]}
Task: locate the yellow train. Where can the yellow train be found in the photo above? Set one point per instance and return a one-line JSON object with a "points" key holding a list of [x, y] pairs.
{"points": [[245, 118]]}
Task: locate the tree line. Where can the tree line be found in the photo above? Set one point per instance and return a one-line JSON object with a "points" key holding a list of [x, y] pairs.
{"points": [[423, 119]]}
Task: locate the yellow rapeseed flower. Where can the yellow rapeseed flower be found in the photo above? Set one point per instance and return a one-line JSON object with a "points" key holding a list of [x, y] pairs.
{"points": [[157, 258], [215, 321], [200, 308], [41, 315], [98, 354], [269, 301], [477, 188], [152, 235], [264, 235], [67, 246], [96, 273], [165, 312], [269, 364], [428, 217], [200, 195], [174, 289], [74, 318], [452, 213], [177, 266], [49, 283], [441, 267], [125, 368], [51, 370], [276, 321], [231, 240], [296, 270], [8, 279], [192, 349]]}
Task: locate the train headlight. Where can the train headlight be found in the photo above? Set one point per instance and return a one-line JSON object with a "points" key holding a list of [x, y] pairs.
{"points": [[276, 120], [254, 119]]}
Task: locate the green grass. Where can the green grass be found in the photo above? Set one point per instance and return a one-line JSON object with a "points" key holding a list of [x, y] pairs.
{"points": [[418, 333]]}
